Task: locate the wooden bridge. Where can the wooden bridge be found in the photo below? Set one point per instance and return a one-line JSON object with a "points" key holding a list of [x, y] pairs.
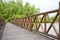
{"points": [[27, 28]]}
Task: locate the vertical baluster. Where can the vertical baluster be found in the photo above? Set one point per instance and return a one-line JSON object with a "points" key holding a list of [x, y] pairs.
{"points": [[59, 23], [27, 22], [24, 22], [36, 21], [30, 19], [45, 23]]}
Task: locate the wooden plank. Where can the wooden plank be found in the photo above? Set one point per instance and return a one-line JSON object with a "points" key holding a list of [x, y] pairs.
{"points": [[36, 18], [40, 22], [20, 34], [30, 22]]}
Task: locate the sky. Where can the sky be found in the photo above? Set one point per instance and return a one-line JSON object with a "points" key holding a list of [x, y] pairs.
{"points": [[44, 5]]}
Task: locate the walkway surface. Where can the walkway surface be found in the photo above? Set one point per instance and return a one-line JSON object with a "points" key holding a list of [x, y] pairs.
{"points": [[13, 32]]}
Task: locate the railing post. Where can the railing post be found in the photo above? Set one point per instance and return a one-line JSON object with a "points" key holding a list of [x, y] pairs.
{"points": [[36, 21], [45, 23], [59, 23], [26, 22], [30, 20], [23, 23]]}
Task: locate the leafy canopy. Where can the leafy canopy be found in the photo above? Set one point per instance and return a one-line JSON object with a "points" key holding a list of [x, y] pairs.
{"points": [[15, 9]]}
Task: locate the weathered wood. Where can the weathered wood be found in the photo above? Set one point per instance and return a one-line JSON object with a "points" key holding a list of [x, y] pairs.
{"points": [[45, 23], [36, 18], [59, 23], [29, 21]]}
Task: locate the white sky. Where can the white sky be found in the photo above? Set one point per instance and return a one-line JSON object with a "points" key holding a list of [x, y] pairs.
{"points": [[44, 5]]}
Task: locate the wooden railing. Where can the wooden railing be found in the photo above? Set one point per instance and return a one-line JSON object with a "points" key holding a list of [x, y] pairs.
{"points": [[32, 22]]}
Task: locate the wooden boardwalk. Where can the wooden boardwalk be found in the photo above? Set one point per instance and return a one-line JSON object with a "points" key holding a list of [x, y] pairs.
{"points": [[13, 32]]}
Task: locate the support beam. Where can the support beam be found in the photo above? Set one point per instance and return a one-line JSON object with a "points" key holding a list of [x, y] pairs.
{"points": [[30, 22], [59, 23], [45, 23], [36, 18]]}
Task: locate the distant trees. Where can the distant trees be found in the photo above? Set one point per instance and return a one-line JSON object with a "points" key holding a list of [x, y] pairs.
{"points": [[15, 9]]}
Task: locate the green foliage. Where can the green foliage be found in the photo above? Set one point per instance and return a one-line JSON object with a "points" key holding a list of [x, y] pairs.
{"points": [[11, 9]]}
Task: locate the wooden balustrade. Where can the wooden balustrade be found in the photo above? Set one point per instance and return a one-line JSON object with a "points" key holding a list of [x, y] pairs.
{"points": [[32, 21]]}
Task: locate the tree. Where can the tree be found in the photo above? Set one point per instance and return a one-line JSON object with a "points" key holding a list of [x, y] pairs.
{"points": [[15, 9]]}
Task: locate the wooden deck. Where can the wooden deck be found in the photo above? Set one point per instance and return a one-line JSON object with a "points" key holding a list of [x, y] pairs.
{"points": [[13, 32]]}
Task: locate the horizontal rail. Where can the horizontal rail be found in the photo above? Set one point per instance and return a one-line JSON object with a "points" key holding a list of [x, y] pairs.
{"points": [[48, 12]]}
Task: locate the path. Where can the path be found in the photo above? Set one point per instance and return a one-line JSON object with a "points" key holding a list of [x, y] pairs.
{"points": [[13, 32]]}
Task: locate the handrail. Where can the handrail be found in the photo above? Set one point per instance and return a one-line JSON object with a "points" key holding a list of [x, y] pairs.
{"points": [[48, 12]]}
